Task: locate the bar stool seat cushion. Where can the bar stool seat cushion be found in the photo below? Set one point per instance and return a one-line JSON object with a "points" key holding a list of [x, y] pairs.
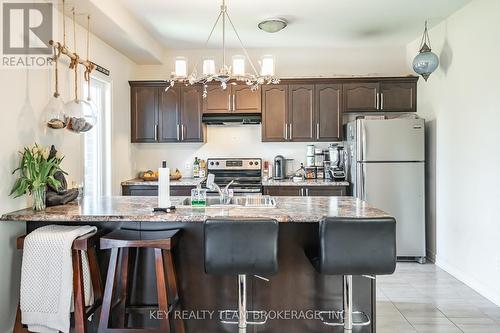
{"points": [[235, 247], [355, 246]]}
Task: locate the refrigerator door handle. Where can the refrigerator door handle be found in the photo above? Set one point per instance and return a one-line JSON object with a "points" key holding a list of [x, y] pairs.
{"points": [[363, 181], [361, 142]]}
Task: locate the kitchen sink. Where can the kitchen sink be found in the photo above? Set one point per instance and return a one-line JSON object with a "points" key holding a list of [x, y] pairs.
{"points": [[254, 201]]}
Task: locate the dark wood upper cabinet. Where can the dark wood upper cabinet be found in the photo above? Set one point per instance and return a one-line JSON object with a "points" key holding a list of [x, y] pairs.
{"points": [[301, 112], [328, 117], [275, 116], [217, 100], [191, 129], [144, 116], [166, 116], [237, 98], [244, 100], [361, 97], [398, 96], [169, 113]]}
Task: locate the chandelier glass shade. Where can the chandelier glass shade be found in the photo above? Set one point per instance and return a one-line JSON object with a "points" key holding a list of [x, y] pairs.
{"points": [[237, 71]]}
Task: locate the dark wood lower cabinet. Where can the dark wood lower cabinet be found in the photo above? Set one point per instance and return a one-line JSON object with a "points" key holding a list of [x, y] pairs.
{"points": [[152, 190], [306, 191]]}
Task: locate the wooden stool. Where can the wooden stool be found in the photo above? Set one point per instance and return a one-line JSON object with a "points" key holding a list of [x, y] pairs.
{"points": [[88, 243], [121, 241]]}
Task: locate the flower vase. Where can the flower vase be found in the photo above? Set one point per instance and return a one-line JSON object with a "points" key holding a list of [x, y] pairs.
{"points": [[38, 195]]}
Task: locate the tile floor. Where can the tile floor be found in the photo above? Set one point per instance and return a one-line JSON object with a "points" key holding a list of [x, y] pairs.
{"points": [[424, 298]]}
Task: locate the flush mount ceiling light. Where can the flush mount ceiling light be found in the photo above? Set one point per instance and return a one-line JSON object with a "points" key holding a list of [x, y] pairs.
{"points": [[226, 73], [426, 62], [273, 25]]}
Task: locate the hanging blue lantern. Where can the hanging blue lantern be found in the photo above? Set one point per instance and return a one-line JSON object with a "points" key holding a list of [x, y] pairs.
{"points": [[426, 62]]}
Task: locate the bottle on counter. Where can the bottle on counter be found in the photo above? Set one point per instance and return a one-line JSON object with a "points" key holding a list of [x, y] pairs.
{"points": [[265, 171], [196, 168], [202, 169]]}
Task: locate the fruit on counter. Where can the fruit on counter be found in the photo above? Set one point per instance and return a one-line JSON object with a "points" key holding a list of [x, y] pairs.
{"points": [[176, 175], [148, 175]]}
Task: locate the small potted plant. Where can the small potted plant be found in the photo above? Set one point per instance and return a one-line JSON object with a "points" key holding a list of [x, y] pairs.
{"points": [[36, 171]]}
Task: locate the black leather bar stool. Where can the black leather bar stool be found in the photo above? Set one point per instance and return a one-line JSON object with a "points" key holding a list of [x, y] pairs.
{"points": [[241, 247], [354, 246], [163, 242]]}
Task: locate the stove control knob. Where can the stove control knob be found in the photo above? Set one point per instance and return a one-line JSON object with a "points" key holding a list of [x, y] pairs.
{"points": [[256, 162], [211, 163], [216, 163], [251, 163]]}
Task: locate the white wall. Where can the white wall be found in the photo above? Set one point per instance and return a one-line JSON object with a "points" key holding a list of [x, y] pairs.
{"points": [[461, 104], [245, 141], [24, 94]]}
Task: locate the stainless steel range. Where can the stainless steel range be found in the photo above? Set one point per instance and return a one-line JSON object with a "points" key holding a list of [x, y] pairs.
{"points": [[246, 174]]}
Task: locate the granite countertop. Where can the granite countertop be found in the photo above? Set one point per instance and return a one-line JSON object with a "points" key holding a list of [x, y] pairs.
{"points": [[306, 182], [127, 208], [181, 182]]}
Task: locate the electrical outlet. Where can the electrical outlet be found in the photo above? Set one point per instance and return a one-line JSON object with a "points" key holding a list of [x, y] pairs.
{"points": [[187, 166]]}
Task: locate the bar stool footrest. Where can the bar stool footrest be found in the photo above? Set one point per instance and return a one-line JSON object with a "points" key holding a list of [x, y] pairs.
{"points": [[365, 320], [235, 314]]}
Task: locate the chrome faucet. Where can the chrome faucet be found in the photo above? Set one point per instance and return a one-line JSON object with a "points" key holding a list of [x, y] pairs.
{"points": [[223, 193]]}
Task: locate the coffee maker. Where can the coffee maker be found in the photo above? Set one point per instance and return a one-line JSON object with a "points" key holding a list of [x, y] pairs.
{"points": [[279, 167], [338, 159]]}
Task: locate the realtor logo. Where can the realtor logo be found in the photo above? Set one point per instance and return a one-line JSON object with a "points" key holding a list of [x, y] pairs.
{"points": [[27, 28]]}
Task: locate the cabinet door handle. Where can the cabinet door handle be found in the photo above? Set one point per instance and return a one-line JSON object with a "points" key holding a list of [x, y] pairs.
{"points": [[317, 131], [229, 108], [286, 131], [290, 131], [301, 192], [381, 101], [378, 102], [182, 132], [234, 102], [156, 132], [178, 135], [307, 192]]}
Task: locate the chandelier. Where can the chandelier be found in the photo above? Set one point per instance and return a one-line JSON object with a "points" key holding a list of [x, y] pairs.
{"points": [[226, 73]]}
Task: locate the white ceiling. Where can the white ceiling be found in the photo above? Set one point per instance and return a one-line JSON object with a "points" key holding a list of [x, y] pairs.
{"points": [[179, 24]]}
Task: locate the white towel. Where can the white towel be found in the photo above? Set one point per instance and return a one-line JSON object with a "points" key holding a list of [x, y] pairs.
{"points": [[47, 278]]}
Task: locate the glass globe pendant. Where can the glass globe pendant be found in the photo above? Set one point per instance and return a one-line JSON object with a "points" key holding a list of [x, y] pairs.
{"points": [[53, 114], [81, 114], [426, 62]]}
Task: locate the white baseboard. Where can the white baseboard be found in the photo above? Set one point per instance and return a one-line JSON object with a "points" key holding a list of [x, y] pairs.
{"points": [[485, 290]]}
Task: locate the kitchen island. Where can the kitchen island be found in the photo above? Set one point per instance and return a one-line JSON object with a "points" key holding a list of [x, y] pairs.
{"points": [[296, 286]]}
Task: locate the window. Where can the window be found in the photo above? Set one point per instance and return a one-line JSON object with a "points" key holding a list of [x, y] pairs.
{"points": [[97, 142]]}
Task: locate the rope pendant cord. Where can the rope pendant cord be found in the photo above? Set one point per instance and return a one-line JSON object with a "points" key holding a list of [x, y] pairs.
{"points": [[56, 92], [75, 62], [64, 24], [87, 70]]}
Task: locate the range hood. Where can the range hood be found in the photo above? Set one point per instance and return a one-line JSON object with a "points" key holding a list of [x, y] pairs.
{"points": [[231, 119]]}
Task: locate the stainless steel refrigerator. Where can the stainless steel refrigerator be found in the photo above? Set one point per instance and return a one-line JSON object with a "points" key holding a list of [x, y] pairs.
{"points": [[386, 169]]}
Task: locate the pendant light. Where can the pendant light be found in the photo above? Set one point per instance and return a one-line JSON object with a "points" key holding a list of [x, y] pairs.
{"points": [[81, 115], [54, 116], [426, 62]]}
